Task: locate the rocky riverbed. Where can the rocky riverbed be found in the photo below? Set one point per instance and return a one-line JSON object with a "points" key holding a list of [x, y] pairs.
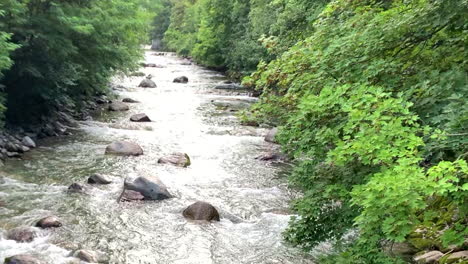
{"points": [[162, 174]]}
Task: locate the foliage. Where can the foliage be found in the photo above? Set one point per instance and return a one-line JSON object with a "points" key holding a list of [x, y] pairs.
{"points": [[376, 92], [67, 50]]}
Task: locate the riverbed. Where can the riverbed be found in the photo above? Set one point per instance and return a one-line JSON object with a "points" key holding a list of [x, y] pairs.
{"points": [[251, 195]]}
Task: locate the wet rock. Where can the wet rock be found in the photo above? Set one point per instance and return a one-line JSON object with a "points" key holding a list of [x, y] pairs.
{"points": [[201, 211], [22, 234], [24, 149], [129, 195], [177, 159], [98, 179], [272, 156], [129, 100], [118, 106], [23, 259], [181, 79], [140, 118], [49, 222], [150, 65], [13, 154], [147, 83], [229, 86], [102, 100], [271, 136], [124, 148], [150, 187], [232, 105], [186, 63], [429, 257], [76, 188], [87, 256]]}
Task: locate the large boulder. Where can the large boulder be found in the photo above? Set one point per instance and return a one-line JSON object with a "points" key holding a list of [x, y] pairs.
{"points": [[201, 211], [28, 142], [140, 118], [23, 259], [271, 135], [181, 79], [129, 100], [49, 222], [150, 187], [22, 234], [124, 148], [118, 106], [147, 83], [177, 159], [98, 179]]}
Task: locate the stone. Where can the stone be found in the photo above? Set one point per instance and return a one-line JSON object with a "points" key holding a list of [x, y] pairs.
{"points": [[456, 257], [124, 148], [177, 159], [150, 187], [181, 79], [140, 118], [49, 222], [201, 211], [129, 195], [118, 106], [28, 142], [271, 135], [76, 188], [87, 256], [23, 259], [147, 83], [429, 257], [272, 156], [129, 100], [98, 179], [22, 234], [229, 86]]}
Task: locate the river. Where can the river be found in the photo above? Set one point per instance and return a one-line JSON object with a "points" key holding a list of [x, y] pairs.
{"points": [[251, 195]]}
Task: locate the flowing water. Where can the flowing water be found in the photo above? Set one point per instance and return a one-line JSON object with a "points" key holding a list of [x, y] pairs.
{"points": [[251, 195]]}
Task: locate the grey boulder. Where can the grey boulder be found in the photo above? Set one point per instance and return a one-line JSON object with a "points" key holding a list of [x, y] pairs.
{"points": [[124, 148], [176, 159], [118, 106], [151, 188]]}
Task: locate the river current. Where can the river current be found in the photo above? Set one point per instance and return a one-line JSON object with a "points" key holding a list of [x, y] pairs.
{"points": [[252, 196]]}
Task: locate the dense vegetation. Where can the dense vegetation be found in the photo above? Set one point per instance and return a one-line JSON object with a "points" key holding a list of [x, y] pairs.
{"points": [[61, 52], [370, 97]]}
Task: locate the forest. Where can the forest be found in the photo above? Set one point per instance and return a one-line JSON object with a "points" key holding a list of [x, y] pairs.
{"points": [[370, 98]]}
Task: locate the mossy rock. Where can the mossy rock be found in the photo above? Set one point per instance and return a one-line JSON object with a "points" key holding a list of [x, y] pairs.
{"points": [[460, 257]]}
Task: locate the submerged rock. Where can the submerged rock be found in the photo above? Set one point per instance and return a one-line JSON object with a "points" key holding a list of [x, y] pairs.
{"points": [[98, 179], [129, 100], [23, 259], [272, 156], [124, 148], [140, 118], [150, 187], [271, 136], [201, 211], [147, 83], [87, 256], [181, 79], [22, 234], [229, 86], [76, 188], [49, 222], [177, 159], [118, 106]]}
